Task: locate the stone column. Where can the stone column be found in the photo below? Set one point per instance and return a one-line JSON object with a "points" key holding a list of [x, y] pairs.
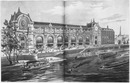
{"points": [[77, 41], [45, 42], [55, 42], [30, 41], [69, 41], [84, 40], [30, 36]]}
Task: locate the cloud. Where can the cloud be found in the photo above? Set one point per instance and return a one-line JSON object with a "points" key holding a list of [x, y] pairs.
{"points": [[106, 12], [113, 21], [61, 10], [112, 17], [100, 3], [78, 12], [120, 20], [75, 7]]}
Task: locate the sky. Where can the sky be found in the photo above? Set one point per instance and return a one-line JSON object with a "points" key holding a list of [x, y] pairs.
{"points": [[114, 13]]}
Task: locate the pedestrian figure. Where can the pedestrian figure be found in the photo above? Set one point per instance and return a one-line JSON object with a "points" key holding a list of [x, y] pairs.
{"points": [[35, 55]]}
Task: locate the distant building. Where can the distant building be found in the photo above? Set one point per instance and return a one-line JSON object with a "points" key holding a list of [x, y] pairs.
{"points": [[54, 36], [107, 36], [121, 39], [101, 35]]}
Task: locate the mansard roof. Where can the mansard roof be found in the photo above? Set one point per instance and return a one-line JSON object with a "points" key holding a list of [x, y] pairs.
{"points": [[57, 24], [107, 29]]}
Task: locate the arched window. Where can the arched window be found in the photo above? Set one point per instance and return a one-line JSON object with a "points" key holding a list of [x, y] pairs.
{"points": [[39, 42], [119, 41], [80, 40], [87, 41], [73, 41], [50, 41], [95, 41], [59, 41], [22, 40], [95, 37]]}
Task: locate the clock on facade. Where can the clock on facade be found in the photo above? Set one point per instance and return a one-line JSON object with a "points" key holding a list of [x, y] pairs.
{"points": [[96, 28], [23, 23]]}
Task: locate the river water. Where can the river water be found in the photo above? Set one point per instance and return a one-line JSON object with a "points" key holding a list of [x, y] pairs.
{"points": [[93, 73], [119, 74]]}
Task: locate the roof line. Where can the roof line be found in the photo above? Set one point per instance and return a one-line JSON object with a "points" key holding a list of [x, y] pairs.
{"points": [[58, 23]]}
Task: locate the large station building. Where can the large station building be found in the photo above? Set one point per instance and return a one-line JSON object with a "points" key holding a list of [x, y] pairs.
{"points": [[54, 36]]}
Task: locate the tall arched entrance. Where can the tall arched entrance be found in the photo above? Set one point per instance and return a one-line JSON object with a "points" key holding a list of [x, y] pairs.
{"points": [[73, 40], [80, 41], [87, 41], [39, 42], [50, 41], [59, 41]]}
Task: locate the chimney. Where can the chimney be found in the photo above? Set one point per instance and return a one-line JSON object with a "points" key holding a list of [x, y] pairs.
{"points": [[93, 20], [19, 9], [120, 31], [107, 26]]}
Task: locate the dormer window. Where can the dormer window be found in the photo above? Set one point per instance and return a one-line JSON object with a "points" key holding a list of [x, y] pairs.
{"points": [[50, 25]]}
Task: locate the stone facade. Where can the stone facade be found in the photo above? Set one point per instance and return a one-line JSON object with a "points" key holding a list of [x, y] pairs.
{"points": [[47, 36]]}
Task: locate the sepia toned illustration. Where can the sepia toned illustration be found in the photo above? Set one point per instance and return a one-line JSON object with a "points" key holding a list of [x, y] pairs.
{"points": [[65, 41]]}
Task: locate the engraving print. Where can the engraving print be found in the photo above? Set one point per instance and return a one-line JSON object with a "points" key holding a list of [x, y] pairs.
{"points": [[65, 41]]}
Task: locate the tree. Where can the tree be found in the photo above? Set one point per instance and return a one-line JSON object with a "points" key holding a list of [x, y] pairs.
{"points": [[10, 44]]}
